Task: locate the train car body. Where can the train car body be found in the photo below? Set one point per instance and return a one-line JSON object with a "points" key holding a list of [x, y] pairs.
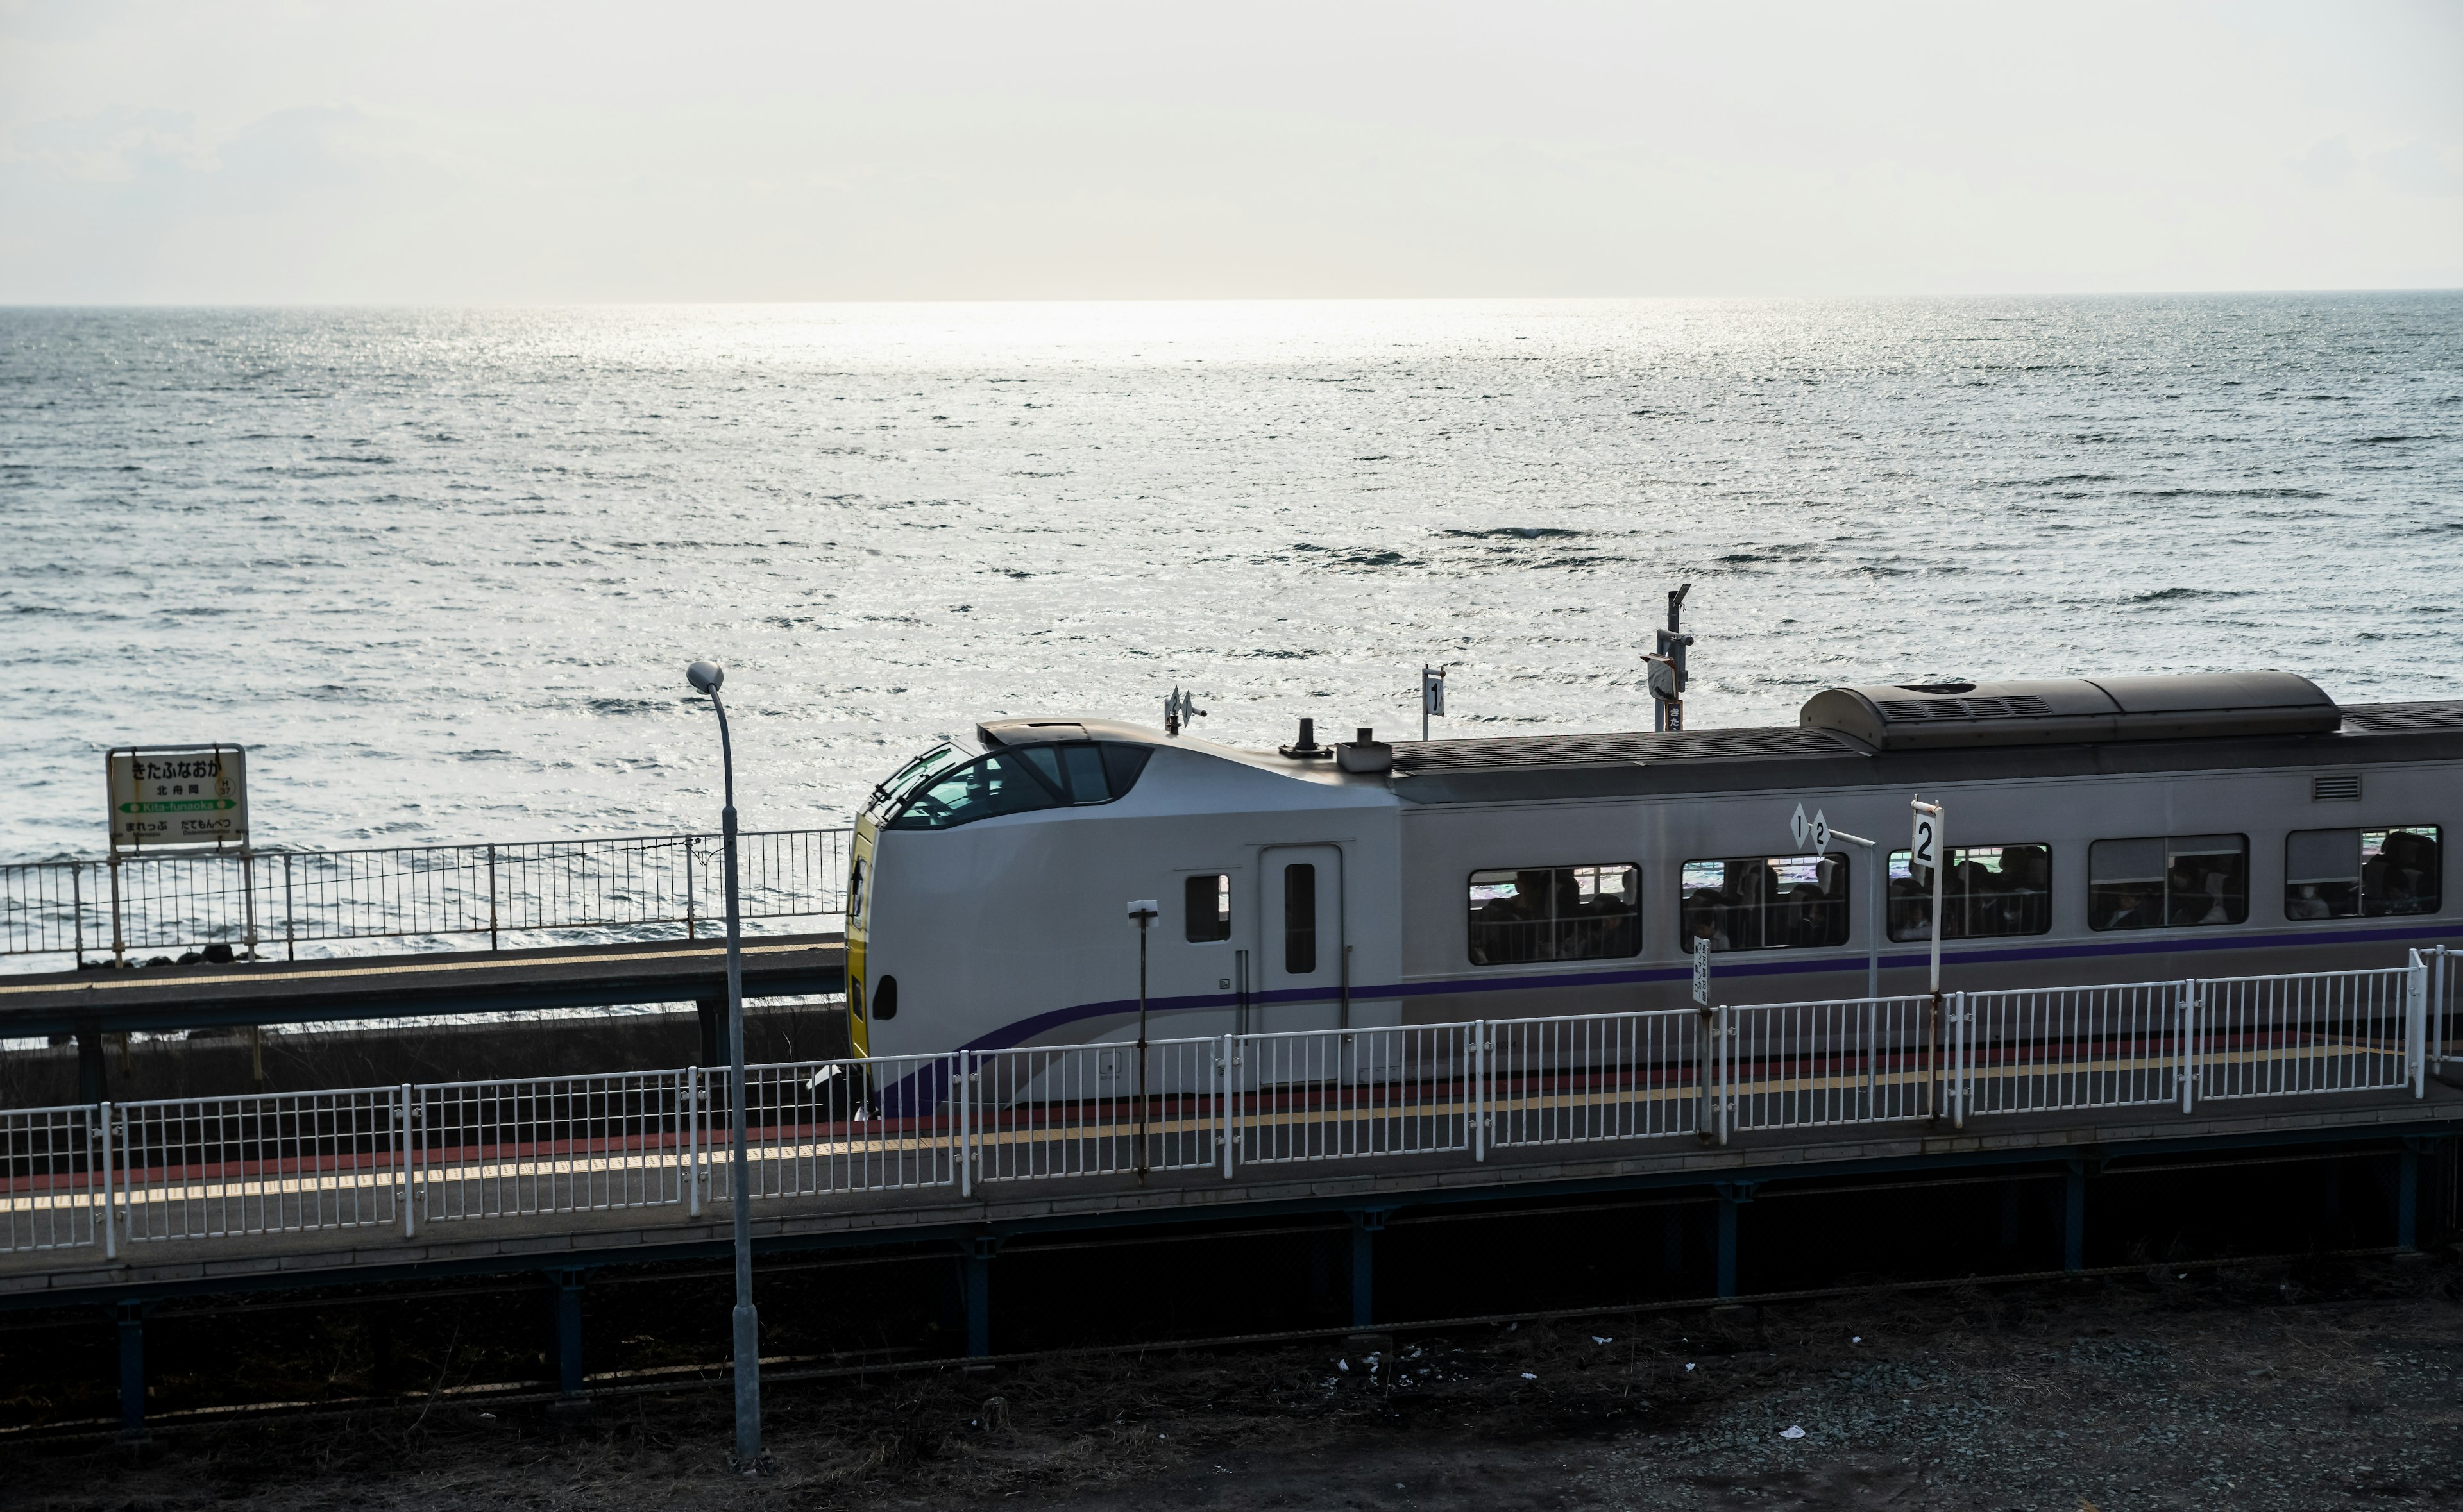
{"points": [[2137, 829]]}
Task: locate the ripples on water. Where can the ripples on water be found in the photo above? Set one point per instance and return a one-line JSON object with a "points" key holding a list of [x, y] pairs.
{"points": [[441, 569]]}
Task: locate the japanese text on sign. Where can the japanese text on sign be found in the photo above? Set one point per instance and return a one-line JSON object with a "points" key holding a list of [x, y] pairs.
{"points": [[176, 795]]}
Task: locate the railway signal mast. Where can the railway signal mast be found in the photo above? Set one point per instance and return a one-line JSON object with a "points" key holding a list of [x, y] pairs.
{"points": [[1667, 666], [1178, 709]]}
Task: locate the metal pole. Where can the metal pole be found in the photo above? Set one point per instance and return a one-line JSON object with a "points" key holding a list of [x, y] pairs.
{"points": [[290, 914], [76, 910], [691, 927], [119, 944], [492, 864], [409, 1188], [1140, 1164], [247, 899], [1872, 910], [748, 1328]]}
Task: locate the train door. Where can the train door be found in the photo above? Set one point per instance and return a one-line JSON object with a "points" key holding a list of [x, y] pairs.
{"points": [[1299, 939]]}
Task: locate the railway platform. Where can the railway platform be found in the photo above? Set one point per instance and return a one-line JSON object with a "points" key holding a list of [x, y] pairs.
{"points": [[121, 1206]]}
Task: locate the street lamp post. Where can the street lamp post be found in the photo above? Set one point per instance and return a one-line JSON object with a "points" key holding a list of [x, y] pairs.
{"points": [[706, 678]]}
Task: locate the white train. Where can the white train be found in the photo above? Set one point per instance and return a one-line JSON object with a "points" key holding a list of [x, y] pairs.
{"points": [[2114, 829]]}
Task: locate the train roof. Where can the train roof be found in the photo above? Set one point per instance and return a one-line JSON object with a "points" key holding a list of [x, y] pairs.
{"points": [[2053, 711], [1543, 767], [1889, 734]]}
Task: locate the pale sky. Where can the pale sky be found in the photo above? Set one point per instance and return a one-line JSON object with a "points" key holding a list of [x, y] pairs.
{"points": [[510, 152]]}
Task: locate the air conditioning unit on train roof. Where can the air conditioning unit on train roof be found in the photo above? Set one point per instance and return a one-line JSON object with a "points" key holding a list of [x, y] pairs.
{"points": [[2066, 710]]}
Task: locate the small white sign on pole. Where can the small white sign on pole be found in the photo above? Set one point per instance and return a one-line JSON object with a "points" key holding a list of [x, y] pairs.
{"points": [[176, 795], [1924, 841], [1702, 970]]}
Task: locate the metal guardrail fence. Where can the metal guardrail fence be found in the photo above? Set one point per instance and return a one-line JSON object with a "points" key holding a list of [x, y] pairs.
{"points": [[256, 901], [970, 1120]]}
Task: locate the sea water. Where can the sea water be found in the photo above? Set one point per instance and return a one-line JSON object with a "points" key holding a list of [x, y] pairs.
{"points": [[441, 569]]}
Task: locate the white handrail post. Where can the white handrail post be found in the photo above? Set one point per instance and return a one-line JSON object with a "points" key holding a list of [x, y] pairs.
{"points": [[683, 1105], [1480, 1071], [1726, 1070], [2186, 1060], [964, 1091], [1228, 1105], [692, 1140], [110, 1213], [409, 1219], [2415, 1025], [1962, 1060]]}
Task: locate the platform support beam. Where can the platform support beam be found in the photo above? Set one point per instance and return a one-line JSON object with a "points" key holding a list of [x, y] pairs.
{"points": [[2010, 1198], [1671, 1238], [976, 1278], [2407, 1189], [1365, 1225], [568, 1335], [713, 1013], [89, 1044], [1732, 1195], [2074, 1218], [131, 1318]]}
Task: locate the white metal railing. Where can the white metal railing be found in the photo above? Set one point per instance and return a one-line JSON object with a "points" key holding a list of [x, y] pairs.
{"points": [[548, 1144], [2445, 997], [1591, 1078], [51, 1165], [2337, 1031], [1094, 1109], [274, 1163], [2062, 1048], [817, 1128], [1811, 1065], [1347, 1095], [292, 1162], [260, 901]]}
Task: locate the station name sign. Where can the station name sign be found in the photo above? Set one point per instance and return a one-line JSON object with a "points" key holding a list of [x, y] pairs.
{"points": [[164, 796]]}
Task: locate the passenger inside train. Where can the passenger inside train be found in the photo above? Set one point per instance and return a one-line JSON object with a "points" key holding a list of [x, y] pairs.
{"points": [[1566, 912], [1766, 902], [1989, 890]]}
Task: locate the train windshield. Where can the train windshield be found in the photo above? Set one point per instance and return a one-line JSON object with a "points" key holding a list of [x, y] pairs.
{"points": [[894, 788]]}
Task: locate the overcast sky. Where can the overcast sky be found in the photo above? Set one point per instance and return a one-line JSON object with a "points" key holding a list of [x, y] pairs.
{"points": [[199, 151]]}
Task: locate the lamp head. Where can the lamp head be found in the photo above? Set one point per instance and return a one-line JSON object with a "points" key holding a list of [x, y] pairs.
{"points": [[704, 676]]}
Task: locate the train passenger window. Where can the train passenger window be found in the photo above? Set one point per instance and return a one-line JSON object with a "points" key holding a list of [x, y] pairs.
{"points": [[2353, 874], [1765, 902], [1209, 902], [2167, 882], [1988, 890], [884, 999], [982, 788], [1300, 918], [1558, 912]]}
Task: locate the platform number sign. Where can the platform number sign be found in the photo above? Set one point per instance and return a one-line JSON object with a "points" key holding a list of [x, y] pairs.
{"points": [[1924, 842], [1702, 969], [1812, 835]]}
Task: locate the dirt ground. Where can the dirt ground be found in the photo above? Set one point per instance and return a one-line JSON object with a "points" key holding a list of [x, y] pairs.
{"points": [[2321, 1386]]}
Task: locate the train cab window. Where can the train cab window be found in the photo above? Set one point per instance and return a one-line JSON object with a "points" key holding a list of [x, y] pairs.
{"points": [[1207, 900], [884, 999], [2355, 874], [983, 789], [1558, 912], [1021, 778], [2176, 881], [1766, 902], [1989, 890], [1300, 918]]}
